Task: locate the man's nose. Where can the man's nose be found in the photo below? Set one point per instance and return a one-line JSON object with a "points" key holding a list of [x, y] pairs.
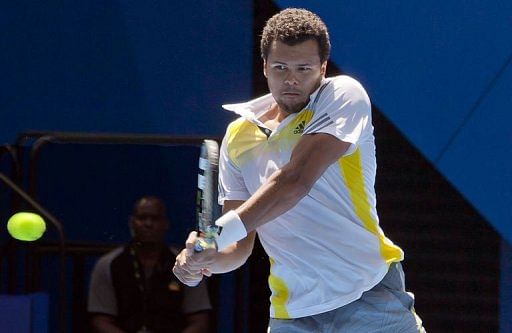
{"points": [[291, 79], [148, 222]]}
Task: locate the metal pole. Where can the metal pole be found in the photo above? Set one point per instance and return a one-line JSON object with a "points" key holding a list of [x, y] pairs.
{"points": [[62, 250]]}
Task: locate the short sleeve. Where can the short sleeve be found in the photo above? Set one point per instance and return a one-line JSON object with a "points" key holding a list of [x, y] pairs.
{"points": [[231, 182], [342, 109], [196, 299], [101, 290]]}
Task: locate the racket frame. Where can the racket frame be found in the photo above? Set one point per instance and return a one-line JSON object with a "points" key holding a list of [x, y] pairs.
{"points": [[207, 207]]}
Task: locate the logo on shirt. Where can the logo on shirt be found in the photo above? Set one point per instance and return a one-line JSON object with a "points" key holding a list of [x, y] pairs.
{"points": [[300, 127]]}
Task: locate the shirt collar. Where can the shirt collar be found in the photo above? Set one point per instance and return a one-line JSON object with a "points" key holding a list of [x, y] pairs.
{"points": [[252, 109]]}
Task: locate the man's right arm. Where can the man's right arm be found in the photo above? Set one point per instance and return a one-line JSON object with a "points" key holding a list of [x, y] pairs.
{"points": [[102, 323], [102, 304], [190, 266], [237, 254]]}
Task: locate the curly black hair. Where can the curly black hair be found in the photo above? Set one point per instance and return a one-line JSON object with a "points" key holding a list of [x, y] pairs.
{"points": [[293, 26]]}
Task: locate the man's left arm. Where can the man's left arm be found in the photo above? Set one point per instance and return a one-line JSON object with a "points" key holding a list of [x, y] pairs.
{"points": [[196, 323], [312, 155], [196, 308]]}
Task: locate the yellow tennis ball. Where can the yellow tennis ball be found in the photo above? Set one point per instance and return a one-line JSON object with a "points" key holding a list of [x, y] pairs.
{"points": [[26, 226]]}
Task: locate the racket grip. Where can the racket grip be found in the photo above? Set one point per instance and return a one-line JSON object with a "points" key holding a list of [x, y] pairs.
{"points": [[204, 243]]}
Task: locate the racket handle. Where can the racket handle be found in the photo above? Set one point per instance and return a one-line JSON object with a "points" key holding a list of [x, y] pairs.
{"points": [[204, 243]]}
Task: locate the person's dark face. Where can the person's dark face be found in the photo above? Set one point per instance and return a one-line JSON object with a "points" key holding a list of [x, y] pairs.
{"points": [[293, 73], [148, 222]]}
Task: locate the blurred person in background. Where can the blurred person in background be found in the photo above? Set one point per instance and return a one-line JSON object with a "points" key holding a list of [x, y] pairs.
{"points": [[132, 288]]}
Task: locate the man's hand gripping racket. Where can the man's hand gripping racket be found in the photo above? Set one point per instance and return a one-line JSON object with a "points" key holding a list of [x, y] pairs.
{"points": [[212, 234], [190, 265]]}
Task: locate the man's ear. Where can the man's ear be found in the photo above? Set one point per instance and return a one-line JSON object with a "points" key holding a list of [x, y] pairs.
{"points": [[323, 68], [265, 68], [130, 226]]}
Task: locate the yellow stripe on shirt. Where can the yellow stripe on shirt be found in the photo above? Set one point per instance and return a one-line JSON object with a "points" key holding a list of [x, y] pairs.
{"points": [[352, 172], [280, 294], [242, 137]]}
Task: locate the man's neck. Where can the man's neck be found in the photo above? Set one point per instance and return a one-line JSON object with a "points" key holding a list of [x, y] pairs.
{"points": [[273, 117], [148, 253]]}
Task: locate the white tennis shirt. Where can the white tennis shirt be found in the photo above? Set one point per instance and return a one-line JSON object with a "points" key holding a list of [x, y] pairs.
{"points": [[328, 249]]}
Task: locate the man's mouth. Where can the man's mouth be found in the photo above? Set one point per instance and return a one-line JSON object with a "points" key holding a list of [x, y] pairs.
{"points": [[147, 233]]}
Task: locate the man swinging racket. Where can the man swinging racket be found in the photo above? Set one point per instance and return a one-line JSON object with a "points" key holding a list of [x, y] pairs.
{"points": [[298, 167]]}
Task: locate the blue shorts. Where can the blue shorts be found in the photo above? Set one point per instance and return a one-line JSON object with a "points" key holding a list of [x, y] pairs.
{"points": [[386, 308]]}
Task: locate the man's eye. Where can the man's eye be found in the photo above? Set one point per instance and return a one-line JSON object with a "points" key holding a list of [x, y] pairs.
{"points": [[279, 67], [304, 69]]}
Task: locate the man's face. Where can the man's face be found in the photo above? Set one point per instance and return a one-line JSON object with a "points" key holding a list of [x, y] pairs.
{"points": [[293, 73], [148, 222]]}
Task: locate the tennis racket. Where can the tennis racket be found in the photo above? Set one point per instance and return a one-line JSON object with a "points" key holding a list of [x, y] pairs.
{"points": [[207, 208]]}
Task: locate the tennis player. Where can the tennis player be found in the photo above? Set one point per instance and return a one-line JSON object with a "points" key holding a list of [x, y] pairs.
{"points": [[298, 167]]}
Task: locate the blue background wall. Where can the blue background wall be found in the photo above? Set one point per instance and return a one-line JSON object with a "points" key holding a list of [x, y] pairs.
{"points": [[440, 71], [122, 66]]}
